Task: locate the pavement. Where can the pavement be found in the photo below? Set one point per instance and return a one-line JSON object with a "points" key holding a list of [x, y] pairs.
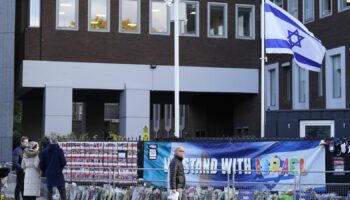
{"points": [[9, 190]]}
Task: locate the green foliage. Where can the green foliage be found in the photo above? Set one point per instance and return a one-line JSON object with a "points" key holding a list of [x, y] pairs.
{"points": [[17, 122], [113, 136]]}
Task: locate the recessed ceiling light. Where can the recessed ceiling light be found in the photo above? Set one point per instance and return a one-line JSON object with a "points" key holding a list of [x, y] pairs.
{"points": [[192, 13], [130, 24], [155, 10], [61, 13]]}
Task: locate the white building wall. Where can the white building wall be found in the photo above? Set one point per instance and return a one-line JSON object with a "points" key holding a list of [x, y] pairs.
{"points": [[135, 81]]}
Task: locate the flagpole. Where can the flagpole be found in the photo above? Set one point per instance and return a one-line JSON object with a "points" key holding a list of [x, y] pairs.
{"points": [[176, 68], [262, 59]]}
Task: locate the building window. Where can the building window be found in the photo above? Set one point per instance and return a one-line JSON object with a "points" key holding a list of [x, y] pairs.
{"points": [[317, 128], [129, 16], [302, 85], [293, 8], [272, 73], [279, 2], [343, 5], [111, 112], [272, 86], [189, 24], [67, 14], [288, 80], [159, 15], [245, 21], [217, 20], [99, 15], [78, 111], [320, 83], [325, 8], [34, 13], [336, 76], [308, 11]]}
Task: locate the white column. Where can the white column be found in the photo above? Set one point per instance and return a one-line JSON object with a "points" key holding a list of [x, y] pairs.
{"points": [[134, 112], [58, 110]]}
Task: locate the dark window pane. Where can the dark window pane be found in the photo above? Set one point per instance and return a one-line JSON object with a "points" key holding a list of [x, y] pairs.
{"points": [[244, 22], [217, 26], [317, 131]]}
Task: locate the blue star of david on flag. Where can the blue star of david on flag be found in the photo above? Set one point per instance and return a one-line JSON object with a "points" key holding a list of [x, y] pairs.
{"points": [[284, 34], [294, 38]]}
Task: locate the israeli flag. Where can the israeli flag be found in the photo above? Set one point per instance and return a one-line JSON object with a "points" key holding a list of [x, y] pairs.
{"points": [[286, 35]]}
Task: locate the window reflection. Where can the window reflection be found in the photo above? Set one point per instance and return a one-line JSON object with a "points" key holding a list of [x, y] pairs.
{"points": [[99, 15], [67, 14]]}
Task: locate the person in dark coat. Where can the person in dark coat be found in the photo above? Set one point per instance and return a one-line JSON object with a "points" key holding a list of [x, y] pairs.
{"points": [[17, 157], [52, 162], [177, 173]]}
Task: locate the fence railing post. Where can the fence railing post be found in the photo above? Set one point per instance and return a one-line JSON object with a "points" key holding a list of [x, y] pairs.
{"points": [[228, 184], [233, 183], [295, 186]]}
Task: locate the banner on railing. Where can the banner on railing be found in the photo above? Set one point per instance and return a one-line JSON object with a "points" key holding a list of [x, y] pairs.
{"points": [[270, 164]]}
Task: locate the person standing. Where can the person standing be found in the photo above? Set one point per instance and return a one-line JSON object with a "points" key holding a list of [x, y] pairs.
{"points": [[52, 162], [30, 164], [17, 157], [177, 173]]}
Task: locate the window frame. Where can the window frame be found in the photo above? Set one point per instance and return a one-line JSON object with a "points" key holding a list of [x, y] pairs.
{"points": [[295, 88], [304, 123], [320, 83], [252, 21], [304, 11], [289, 8], [150, 19], [225, 36], [331, 102], [108, 14], [321, 9], [301, 71], [336, 68], [76, 17], [29, 15], [138, 18], [268, 68], [197, 20], [344, 9]]}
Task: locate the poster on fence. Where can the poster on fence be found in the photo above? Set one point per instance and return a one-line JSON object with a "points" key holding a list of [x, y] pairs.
{"points": [[256, 165], [100, 162]]}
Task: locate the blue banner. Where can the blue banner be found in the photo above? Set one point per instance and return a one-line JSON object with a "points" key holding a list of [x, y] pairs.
{"points": [[252, 162]]}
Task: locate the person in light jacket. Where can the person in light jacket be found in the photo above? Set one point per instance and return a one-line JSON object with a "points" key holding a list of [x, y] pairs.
{"points": [[30, 164]]}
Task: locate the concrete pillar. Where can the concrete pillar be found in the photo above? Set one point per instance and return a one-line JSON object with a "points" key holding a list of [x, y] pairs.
{"points": [[134, 112], [58, 110], [7, 52], [94, 119]]}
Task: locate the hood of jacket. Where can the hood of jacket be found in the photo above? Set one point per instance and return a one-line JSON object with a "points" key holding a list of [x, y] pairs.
{"points": [[29, 153], [53, 147]]}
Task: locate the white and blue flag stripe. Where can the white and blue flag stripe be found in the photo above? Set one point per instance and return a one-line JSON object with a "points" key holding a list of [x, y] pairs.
{"points": [[286, 35]]}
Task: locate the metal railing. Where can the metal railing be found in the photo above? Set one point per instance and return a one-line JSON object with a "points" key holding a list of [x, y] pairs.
{"points": [[297, 186]]}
